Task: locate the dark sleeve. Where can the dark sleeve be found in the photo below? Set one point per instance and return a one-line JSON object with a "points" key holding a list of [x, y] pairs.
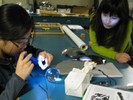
{"points": [[13, 88], [33, 50]]}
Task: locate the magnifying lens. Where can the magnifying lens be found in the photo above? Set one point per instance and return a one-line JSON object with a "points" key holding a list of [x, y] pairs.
{"points": [[53, 75]]}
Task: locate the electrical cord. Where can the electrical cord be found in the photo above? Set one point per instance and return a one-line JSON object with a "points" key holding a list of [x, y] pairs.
{"points": [[109, 78], [126, 88], [48, 98], [120, 95], [45, 90]]}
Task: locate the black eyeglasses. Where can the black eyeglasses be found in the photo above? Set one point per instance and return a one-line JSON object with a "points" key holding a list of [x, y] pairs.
{"points": [[20, 44]]}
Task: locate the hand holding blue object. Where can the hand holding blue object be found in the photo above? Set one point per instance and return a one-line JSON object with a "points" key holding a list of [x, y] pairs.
{"points": [[40, 60]]}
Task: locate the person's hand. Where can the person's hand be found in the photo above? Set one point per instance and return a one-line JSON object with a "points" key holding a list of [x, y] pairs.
{"points": [[47, 55], [24, 66], [122, 57]]}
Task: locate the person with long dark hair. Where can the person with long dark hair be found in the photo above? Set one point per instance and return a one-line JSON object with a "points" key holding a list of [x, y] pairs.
{"points": [[110, 30], [16, 26]]}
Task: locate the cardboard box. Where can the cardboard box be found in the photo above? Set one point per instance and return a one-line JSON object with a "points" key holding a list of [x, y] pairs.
{"points": [[80, 10]]}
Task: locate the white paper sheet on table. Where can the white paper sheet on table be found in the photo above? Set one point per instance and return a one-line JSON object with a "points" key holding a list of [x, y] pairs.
{"points": [[95, 92], [77, 27], [82, 45]]}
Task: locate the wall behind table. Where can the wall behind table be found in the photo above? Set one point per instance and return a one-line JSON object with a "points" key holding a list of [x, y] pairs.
{"points": [[23, 2], [130, 3], [87, 3]]}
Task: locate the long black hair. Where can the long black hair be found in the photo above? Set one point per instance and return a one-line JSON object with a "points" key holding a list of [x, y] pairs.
{"points": [[15, 22], [118, 33]]}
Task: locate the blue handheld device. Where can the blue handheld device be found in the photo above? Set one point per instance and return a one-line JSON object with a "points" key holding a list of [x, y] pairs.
{"points": [[40, 60], [33, 60]]}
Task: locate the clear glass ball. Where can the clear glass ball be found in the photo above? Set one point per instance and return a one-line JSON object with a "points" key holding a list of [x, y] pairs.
{"points": [[53, 75]]}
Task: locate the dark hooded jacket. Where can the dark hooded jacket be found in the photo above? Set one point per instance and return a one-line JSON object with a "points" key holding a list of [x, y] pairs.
{"points": [[10, 83]]}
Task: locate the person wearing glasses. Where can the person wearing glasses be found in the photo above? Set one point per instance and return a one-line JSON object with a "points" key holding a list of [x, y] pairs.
{"points": [[110, 31], [15, 33]]}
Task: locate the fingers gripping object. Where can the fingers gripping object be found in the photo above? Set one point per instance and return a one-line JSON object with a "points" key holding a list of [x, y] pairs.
{"points": [[40, 60]]}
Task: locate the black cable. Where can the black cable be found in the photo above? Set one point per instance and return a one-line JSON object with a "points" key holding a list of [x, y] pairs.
{"points": [[120, 95], [108, 77], [48, 98], [45, 90]]}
